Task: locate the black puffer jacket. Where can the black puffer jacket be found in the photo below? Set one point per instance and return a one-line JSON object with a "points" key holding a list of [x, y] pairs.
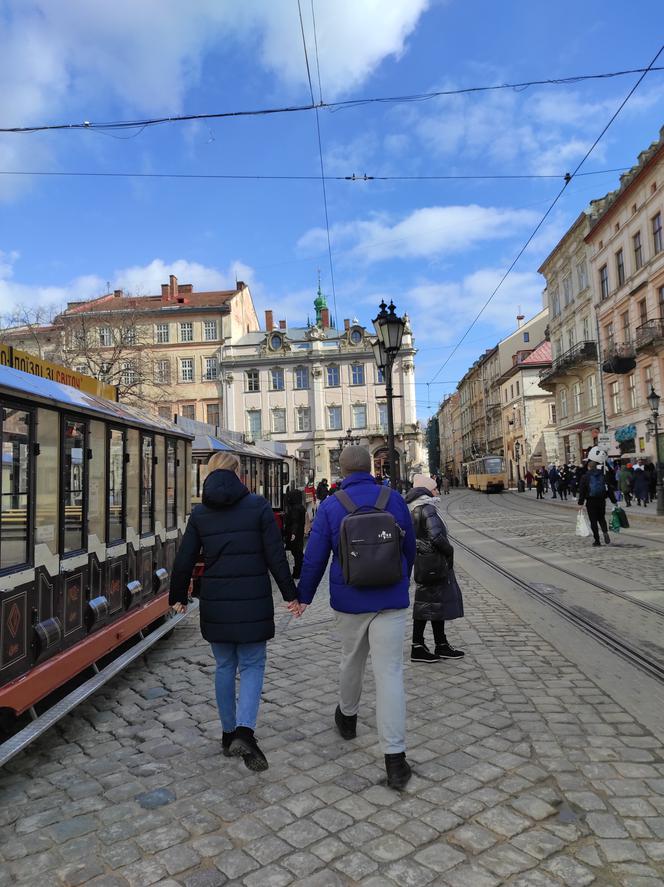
{"points": [[442, 601], [240, 541]]}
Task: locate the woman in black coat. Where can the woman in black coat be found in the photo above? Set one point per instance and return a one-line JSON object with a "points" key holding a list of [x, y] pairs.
{"points": [[239, 539], [440, 599], [294, 528]]}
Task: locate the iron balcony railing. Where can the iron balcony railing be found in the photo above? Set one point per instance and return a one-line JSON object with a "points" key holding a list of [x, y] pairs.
{"points": [[649, 332], [582, 352]]}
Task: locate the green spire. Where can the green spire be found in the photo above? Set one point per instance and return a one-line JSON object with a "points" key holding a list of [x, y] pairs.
{"points": [[319, 303]]}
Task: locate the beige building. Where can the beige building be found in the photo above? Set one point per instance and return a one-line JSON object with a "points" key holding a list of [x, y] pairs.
{"points": [[626, 244], [162, 351], [309, 387], [574, 376], [449, 429]]}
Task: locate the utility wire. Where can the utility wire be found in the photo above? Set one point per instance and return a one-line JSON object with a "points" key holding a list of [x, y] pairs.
{"points": [[320, 151], [331, 106], [568, 179]]}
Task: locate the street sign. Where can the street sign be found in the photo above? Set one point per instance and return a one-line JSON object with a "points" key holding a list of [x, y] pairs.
{"points": [[604, 441]]}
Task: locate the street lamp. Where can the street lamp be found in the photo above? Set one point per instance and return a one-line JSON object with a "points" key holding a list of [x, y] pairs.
{"points": [[348, 440], [517, 454], [653, 400], [389, 332]]}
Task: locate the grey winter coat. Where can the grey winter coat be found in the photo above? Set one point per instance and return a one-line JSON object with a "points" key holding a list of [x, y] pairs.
{"points": [[442, 601]]}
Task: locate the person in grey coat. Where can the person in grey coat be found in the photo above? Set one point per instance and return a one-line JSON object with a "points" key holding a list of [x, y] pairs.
{"points": [[440, 599]]}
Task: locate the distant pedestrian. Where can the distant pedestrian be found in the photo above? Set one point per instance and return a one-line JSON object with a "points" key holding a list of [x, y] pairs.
{"points": [[437, 594], [595, 487], [553, 480], [641, 484], [322, 490], [529, 480], [446, 485], [236, 534], [625, 484], [539, 486], [294, 529], [368, 619]]}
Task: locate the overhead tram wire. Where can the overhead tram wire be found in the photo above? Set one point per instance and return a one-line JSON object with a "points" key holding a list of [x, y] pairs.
{"points": [[330, 106], [568, 179], [320, 145]]}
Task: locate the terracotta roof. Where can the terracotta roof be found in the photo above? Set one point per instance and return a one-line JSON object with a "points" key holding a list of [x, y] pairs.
{"points": [[541, 354], [111, 302]]}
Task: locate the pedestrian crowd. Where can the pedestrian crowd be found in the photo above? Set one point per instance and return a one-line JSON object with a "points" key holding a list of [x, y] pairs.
{"points": [[378, 539]]}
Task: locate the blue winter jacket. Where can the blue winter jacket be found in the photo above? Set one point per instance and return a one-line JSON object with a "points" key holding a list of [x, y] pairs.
{"points": [[324, 538]]}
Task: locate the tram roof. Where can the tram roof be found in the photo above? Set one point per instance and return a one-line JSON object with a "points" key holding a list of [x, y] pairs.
{"points": [[37, 388], [207, 443]]}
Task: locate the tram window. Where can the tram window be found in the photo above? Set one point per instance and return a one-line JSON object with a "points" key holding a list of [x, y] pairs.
{"points": [[493, 465], [147, 484], [171, 504], [15, 488], [75, 468], [116, 484]]}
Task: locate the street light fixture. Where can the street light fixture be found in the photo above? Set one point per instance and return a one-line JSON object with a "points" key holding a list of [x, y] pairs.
{"points": [[517, 454], [653, 400], [389, 332], [348, 440]]}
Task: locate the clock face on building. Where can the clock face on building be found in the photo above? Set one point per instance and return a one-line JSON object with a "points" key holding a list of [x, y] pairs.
{"points": [[356, 336], [275, 342]]}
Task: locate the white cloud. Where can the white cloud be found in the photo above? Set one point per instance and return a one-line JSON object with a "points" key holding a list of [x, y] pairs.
{"points": [[428, 232]]}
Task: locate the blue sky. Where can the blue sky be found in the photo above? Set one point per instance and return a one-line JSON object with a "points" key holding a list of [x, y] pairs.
{"points": [[436, 248]]}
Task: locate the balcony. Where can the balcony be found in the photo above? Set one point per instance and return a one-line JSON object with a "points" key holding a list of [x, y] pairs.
{"points": [[619, 358], [650, 333], [577, 355], [381, 430]]}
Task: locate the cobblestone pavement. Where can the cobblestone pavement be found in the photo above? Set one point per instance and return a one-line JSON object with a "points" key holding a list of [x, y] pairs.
{"points": [[527, 773]]}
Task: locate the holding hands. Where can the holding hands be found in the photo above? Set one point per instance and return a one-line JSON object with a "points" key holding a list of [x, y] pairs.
{"points": [[295, 608]]}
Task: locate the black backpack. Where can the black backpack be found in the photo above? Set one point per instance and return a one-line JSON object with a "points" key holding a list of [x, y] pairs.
{"points": [[369, 542]]}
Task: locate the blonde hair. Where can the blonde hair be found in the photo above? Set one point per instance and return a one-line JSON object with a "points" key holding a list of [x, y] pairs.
{"points": [[225, 461]]}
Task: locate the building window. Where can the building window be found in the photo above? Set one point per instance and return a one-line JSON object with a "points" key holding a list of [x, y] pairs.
{"points": [[382, 414], [577, 395], [604, 281], [357, 374], [129, 336], [608, 333], [211, 370], [647, 380], [585, 324], [162, 372], [614, 393], [279, 420], [567, 289], [301, 378], [558, 347], [333, 377], [380, 376], [563, 403], [592, 390], [518, 389], [334, 418], [212, 414], [303, 419], [105, 336], [210, 330], [643, 312], [254, 428], [187, 369], [164, 412], [359, 415], [657, 232], [552, 414], [571, 338], [252, 380], [188, 410], [625, 326], [631, 390], [620, 267], [661, 302], [526, 337], [582, 275], [638, 251], [186, 332], [276, 380], [555, 302], [115, 479], [163, 334], [128, 374]]}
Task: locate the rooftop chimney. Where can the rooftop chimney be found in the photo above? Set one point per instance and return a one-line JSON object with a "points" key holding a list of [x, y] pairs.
{"points": [[165, 291], [346, 323], [269, 321], [325, 318], [185, 288], [282, 324], [240, 285], [173, 286], [118, 294]]}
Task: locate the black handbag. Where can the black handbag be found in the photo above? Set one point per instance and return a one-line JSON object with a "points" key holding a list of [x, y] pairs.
{"points": [[430, 566]]}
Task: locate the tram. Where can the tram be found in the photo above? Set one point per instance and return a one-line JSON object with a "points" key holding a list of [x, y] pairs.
{"points": [[94, 498], [487, 474]]}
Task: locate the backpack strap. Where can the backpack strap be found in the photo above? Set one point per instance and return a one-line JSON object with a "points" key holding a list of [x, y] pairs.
{"points": [[383, 498], [346, 501]]}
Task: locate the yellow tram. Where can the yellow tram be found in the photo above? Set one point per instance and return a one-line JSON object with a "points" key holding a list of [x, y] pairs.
{"points": [[486, 474]]}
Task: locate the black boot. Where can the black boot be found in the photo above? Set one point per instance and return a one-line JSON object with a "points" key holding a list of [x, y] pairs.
{"points": [[607, 539], [421, 653], [226, 740], [244, 745], [446, 651], [398, 770], [346, 724]]}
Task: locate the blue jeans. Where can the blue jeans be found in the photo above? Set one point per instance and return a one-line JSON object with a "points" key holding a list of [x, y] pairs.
{"points": [[249, 661]]}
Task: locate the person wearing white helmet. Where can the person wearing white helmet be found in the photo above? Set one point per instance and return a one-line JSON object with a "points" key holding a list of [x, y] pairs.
{"points": [[595, 487]]}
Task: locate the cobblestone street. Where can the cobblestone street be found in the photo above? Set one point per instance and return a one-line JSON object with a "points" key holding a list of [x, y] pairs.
{"points": [[527, 773]]}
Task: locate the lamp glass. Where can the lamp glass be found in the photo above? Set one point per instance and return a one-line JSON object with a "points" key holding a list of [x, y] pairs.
{"points": [[653, 400], [379, 354], [379, 319]]}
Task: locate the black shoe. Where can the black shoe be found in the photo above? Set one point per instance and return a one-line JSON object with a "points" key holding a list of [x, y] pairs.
{"points": [[421, 653], [346, 724], [398, 770], [597, 543], [244, 745], [226, 740], [445, 651], [607, 539]]}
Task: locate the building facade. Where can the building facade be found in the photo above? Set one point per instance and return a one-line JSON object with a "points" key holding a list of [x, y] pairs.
{"points": [[626, 244], [451, 443], [317, 389]]}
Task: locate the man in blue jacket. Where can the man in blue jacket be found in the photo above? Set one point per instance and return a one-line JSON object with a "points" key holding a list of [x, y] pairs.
{"points": [[367, 619]]}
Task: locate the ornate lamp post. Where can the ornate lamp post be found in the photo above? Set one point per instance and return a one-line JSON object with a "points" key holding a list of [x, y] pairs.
{"points": [[348, 440], [653, 400], [389, 331], [517, 454]]}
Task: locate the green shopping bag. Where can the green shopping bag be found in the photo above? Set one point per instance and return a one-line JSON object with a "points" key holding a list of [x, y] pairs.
{"points": [[615, 521]]}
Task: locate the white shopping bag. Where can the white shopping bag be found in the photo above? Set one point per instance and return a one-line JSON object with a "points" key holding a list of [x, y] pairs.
{"points": [[582, 525]]}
